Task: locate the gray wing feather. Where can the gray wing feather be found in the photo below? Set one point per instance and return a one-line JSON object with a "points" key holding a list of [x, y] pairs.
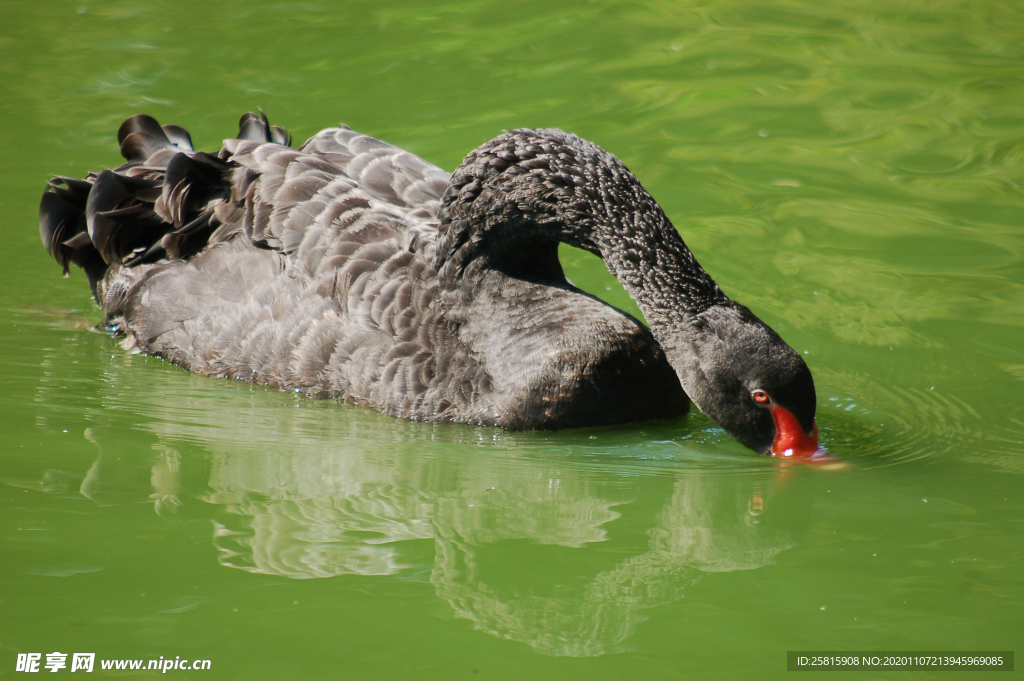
{"points": [[319, 280]]}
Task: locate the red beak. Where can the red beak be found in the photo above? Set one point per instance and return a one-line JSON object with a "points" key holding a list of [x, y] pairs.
{"points": [[790, 439]]}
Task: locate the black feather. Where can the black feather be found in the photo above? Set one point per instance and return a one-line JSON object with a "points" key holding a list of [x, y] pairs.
{"points": [[59, 220], [190, 183], [191, 238], [63, 229], [250, 127], [139, 123], [279, 135], [258, 129], [119, 219], [179, 137]]}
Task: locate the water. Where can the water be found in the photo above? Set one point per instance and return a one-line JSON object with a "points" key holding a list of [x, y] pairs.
{"points": [[851, 171]]}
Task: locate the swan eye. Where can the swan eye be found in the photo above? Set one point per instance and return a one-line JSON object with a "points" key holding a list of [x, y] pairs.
{"points": [[760, 396]]}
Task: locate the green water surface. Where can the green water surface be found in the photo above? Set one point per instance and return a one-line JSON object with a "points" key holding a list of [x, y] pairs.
{"points": [[852, 171]]}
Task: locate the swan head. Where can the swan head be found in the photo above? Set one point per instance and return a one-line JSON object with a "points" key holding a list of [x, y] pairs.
{"points": [[745, 378]]}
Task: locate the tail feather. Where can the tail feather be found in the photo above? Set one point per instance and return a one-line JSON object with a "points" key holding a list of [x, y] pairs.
{"points": [[258, 129], [190, 183], [119, 218], [179, 137], [159, 204], [139, 123], [63, 228], [191, 238], [143, 140]]}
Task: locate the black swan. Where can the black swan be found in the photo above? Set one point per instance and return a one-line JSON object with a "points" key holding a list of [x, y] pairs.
{"points": [[350, 268]]}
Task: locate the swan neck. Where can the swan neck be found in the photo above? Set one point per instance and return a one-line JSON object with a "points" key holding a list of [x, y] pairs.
{"points": [[514, 198], [656, 268]]}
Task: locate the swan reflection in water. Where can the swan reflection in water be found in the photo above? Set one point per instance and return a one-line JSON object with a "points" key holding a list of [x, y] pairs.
{"points": [[525, 545]]}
